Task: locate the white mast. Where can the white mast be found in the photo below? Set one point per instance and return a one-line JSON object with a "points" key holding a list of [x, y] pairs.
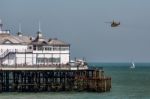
{"points": [[39, 34], [133, 65], [19, 32], [20, 27], [39, 26], [3, 31], [1, 25]]}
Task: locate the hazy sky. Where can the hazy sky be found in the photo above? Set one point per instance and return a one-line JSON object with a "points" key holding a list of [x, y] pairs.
{"points": [[82, 24]]}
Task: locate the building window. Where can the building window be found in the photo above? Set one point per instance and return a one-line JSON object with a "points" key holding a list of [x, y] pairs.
{"points": [[30, 47], [57, 60], [47, 48], [56, 48], [40, 48], [64, 48], [48, 60], [40, 60], [34, 47], [54, 60]]}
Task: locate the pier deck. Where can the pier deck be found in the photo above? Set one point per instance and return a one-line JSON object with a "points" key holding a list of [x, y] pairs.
{"points": [[37, 79]]}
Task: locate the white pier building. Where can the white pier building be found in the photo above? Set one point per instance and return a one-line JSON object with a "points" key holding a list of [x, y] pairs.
{"points": [[24, 50]]}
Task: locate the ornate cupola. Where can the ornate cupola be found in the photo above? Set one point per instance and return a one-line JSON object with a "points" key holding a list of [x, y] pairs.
{"points": [[39, 37], [3, 31], [39, 34], [19, 34]]}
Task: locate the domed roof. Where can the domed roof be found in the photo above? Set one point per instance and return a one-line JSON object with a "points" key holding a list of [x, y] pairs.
{"points": [[57, 42]]}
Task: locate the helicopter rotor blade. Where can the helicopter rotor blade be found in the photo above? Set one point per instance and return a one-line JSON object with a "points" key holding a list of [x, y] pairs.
{"points": [[108, 22]]}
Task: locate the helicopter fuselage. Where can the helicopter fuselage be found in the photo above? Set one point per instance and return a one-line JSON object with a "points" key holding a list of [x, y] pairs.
{"points": [[115, 24]]}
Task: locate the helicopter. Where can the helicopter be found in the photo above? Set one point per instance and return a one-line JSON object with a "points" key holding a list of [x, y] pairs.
{"points": [[114, 23]]}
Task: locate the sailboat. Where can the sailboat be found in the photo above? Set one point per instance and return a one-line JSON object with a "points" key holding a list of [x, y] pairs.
{"points": [[133, 65]]}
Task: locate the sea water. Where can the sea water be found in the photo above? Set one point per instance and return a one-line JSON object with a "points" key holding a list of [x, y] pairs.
{"points": [[127, 83]]}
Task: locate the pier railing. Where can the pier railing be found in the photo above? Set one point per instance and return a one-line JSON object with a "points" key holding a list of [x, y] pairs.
{"points": [[6, 52], [42, 67]]}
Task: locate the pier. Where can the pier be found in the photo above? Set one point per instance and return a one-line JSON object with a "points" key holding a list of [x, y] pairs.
{"points": [[38, 64], [50, 80]]}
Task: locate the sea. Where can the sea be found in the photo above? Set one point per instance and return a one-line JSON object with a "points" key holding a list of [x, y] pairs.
{"points": [[127, 83]]}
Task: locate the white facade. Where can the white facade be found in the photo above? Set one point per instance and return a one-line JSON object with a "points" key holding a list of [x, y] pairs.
{"points": [[25, 51], [21, 54]]}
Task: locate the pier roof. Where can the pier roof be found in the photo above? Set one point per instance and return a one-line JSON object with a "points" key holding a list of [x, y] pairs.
{"points": [[14, 39], [51, 42]]}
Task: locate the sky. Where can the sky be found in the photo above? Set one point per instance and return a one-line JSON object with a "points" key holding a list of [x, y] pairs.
{"points": [[82, 23]]}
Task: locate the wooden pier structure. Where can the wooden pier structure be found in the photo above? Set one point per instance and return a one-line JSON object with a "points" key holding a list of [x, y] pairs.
{"points": [[49, 80]]}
